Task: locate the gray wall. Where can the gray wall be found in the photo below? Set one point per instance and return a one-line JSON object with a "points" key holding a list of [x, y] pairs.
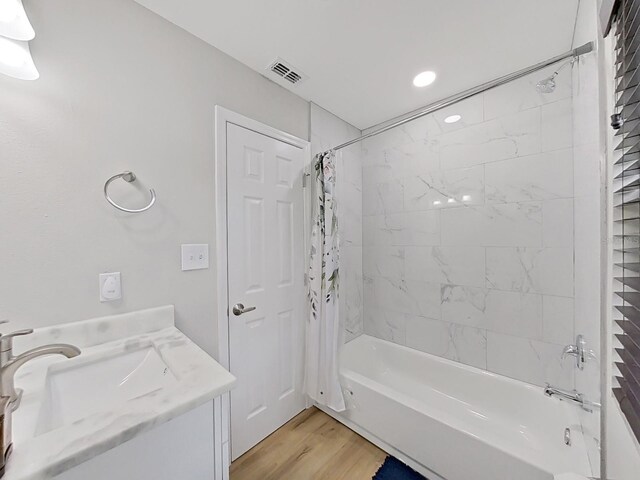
{"points": [[120, 89]]}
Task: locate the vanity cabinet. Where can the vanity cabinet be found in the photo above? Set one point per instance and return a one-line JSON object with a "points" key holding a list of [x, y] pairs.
{"points": [[182, 449], [140, 402]]}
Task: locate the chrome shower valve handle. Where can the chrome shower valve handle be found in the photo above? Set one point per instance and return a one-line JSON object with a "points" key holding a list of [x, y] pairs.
{"points": [[580, 351]]}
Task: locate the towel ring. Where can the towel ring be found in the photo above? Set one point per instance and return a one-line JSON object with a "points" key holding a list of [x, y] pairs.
{"points": [[127, 177]]}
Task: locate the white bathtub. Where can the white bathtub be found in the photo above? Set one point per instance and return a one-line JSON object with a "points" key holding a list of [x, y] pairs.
{"points": [[454, 422]]}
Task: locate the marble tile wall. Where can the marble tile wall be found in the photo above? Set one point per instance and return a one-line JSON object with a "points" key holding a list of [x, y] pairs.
{"points": [[327, 131], [468, 232]]}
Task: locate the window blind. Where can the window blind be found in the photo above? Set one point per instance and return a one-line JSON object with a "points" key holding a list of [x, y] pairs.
{"points": [[625, 25]]}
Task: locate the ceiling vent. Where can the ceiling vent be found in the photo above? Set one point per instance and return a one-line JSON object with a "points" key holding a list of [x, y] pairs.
{"points": [[287, 71]]}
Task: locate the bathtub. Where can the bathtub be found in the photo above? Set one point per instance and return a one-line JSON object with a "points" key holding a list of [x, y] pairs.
{"points": [[455, 422]]}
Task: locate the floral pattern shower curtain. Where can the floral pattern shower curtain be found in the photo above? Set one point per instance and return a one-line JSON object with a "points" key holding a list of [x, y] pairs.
{"points": [[324, 335]]}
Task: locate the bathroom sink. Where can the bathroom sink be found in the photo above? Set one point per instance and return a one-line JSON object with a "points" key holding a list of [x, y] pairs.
{"points": [[75, 390], [136, 372]]}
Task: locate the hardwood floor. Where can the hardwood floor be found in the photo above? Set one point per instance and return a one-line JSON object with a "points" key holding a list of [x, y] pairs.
{"points": [[311, 446]]}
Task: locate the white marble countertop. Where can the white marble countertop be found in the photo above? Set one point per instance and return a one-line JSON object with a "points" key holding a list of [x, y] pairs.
{"points": [[199, 379]]}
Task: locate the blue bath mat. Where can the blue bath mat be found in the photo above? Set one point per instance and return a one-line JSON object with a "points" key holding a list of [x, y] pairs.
{"points": [[394, 469]]}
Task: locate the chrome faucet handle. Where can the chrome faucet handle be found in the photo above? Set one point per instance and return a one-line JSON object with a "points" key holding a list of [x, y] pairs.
{"points": [[6, 340], [575, 351], [579, 351], [24, 331], [569, 350]]}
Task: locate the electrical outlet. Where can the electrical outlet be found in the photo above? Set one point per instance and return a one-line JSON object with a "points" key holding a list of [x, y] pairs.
{"points": [[110, 287]]}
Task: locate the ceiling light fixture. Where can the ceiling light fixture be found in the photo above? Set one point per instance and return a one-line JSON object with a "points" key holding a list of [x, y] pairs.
{"points": [[16, 61], [15, 33], [8, 11], [14, 23], [453, 119], [425, 78]]}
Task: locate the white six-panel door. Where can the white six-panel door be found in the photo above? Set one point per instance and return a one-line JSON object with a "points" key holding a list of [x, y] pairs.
{"points": [[265, 258]]}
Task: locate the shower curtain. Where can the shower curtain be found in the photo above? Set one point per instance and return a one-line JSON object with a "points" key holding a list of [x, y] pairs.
{"points": [[324, 335]]}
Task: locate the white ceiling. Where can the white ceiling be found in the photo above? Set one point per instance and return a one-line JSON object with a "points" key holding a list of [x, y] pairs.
{"points": [[361, 55]]}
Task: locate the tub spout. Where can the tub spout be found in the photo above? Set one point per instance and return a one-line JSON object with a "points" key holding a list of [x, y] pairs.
{"points": [[571, 396]]}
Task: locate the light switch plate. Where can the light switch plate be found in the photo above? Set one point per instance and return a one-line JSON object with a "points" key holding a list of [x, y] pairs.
{"points": [[110, 287], [195, 256]]}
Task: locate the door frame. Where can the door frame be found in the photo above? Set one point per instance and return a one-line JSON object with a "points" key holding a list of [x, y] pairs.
{"points": [[224, 116]]}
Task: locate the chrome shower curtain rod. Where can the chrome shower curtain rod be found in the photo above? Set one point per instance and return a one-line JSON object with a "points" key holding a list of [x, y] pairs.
{"points": [[433, 107]]}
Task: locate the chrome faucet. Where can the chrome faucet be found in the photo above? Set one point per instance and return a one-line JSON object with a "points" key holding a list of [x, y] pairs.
{"points": [[580, 351], [571, 396], [9, 395]]}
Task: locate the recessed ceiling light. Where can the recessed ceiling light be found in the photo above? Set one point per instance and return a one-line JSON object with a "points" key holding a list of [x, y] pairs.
{"points": [[423, 79], [452, 119]]}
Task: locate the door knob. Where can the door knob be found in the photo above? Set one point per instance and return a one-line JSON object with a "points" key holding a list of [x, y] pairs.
{"points": [[239, 309]]}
